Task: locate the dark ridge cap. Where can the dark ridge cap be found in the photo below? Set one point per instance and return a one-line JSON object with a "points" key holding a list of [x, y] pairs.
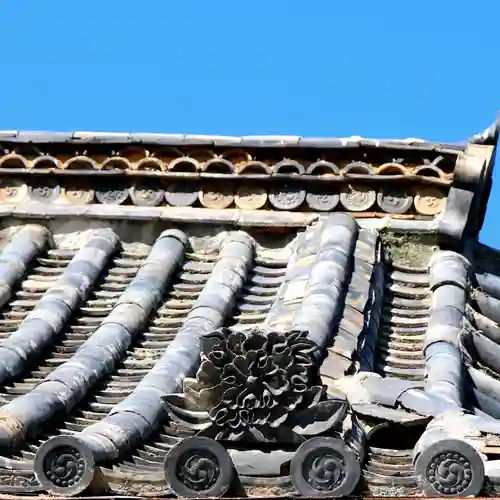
{"points": [[489, 136], [254, 141]]}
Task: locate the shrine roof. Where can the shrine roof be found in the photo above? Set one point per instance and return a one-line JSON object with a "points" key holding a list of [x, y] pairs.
{"points": [[121, 254]]}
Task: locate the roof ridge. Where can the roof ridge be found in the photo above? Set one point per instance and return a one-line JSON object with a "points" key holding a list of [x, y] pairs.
{"points": [[269, 140]]}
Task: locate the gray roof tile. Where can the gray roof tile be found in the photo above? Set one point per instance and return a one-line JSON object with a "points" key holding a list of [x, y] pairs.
{"points": [[268, 141], [101, 332], [273, 291]]}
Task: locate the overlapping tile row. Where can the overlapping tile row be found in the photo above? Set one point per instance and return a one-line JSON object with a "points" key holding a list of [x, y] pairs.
{"points": [[45, 321], [443, 455], [117, 274], [260, 291], [41, 275], [146, 463], [228, 160], [310, 299], [329, 275], [144, 351], [316, 281], [479, 339], [351, 348], [389, 463], [482, 347], [405, 315], [403, 301], [293, 287], [110, 291], [389, 472], [232, 178], [17, 255], [211, 309], [68, 383], [102, 312], [85, 409], [482, 341], [449, 282], [29, 267], [112, 407], [146, 347]]}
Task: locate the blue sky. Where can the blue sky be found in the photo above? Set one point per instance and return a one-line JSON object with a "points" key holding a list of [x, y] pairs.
{"points": [[389, 68]]}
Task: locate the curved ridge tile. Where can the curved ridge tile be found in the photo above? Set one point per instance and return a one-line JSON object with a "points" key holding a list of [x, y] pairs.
{"points": [[487, 305], [139, 413], [448, 277], [17, 254], [292, 290], [487, 351], [447, 435], [69, 382], [57, 304], [489, 283], [141, 354], [373, 316], [119, 272], [482, 352], [42, 273], [326, 286], [362, 307], [489, 328], [361, 312], [486, 392]]}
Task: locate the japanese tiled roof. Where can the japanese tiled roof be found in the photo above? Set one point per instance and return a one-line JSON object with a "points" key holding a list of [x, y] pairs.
{"points": [[258, 316]]}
